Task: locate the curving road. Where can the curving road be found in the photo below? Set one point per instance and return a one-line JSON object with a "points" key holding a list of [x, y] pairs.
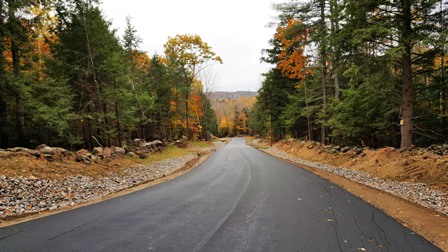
{"points": [[240, 199]]}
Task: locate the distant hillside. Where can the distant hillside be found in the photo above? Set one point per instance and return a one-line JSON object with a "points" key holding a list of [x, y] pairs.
{"points": [[231, 95], [232, 110]]}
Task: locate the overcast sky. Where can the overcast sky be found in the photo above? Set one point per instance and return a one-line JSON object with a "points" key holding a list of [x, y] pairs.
{"points": [[235, 29]]}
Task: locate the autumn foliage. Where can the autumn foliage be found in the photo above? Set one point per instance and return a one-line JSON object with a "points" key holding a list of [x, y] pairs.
{"points": [[292, 58], [66, 79]]}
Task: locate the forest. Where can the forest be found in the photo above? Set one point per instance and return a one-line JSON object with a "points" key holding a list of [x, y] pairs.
{"points": [[367, 73], [68, 80]]}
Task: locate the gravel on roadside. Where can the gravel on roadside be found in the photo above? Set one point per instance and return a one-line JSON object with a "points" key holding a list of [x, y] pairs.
{"points": [[415, 192], [20, 195]]}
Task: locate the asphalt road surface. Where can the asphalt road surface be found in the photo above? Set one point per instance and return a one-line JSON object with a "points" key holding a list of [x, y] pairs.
{"points": [[240, 199]]}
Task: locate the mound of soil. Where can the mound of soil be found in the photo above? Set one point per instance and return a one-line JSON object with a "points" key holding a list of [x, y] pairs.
{"points": [[411, 165]]}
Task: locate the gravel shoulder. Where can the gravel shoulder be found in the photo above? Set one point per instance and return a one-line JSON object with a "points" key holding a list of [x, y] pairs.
{"points": [[26, 198], [416, 205]]}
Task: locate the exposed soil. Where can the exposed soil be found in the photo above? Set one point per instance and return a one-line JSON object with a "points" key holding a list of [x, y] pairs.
{"points": [[416, 165], [60, 166], [16, 165]]}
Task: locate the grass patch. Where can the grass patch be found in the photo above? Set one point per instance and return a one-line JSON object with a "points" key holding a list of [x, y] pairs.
{"points": [[200, 144], [170, 152]]}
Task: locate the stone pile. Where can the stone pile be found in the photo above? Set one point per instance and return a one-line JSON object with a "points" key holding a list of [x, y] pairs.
{"points": [[142, 148], [415, 192], [30, 195], [41, 150], [441, 150]]}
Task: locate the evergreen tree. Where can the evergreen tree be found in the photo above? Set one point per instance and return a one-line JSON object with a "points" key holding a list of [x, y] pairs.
{"points": [[89, 52]]}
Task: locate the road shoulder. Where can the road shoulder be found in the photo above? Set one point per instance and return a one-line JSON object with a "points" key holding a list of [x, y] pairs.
{"points": [[428, 223]]}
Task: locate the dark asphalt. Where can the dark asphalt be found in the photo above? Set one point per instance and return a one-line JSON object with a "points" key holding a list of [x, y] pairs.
{"points": [[238, 200]]}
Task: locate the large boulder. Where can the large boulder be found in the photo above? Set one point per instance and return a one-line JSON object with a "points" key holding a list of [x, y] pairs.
{"points": [[35, 153], [84, 156], [47, 150], [44, 149], [97, 151], [152, 144], [118, 150], [107, 152]]}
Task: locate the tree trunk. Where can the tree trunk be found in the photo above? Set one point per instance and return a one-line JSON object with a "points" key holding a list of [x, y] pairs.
{"points": [[406, 64], [4, 139], [308, 119], [187, 112], [117, 115], [334, 18], [337, 86], [323, 56], [15, 51], [443, 93]]}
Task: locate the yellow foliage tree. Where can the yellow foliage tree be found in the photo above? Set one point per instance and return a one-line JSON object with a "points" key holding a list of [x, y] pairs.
{"points": [[189, 55]]}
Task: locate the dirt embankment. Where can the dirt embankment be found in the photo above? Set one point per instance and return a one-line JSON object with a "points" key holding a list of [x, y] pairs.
{"points": [[410, 165]]}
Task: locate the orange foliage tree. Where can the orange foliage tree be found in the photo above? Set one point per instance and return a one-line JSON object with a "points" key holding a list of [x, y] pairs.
{"points": [[189, 56], [292, 58]]}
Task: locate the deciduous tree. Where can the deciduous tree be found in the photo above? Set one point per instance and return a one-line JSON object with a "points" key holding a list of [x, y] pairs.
{"points": [[189, 55]]}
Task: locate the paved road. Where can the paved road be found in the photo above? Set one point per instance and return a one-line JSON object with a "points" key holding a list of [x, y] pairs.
{"points": [[238, 200]]}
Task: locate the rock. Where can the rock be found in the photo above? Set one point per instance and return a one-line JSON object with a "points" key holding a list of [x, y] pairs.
{"points": [[155, 143], [46, 150], [62, 151], [404, 149], [117, 150], [40, 146], [139, 141], [83, 156], [107, 152], [97, 151], [131, 154], [345, 149], [49, 157], [180, 144], [17, 149], [333, 151], [35, 153], [83, 152], [358, 151], [142, 154]]}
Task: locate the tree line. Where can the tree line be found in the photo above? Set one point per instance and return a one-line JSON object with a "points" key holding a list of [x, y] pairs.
{"points": [[68, 80], [370, 73]]}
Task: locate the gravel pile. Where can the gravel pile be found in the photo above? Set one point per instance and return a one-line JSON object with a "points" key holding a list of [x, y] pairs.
{"points": [[415, 192], [30, 195]]}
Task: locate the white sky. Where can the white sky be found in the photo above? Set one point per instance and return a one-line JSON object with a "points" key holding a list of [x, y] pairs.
{"points": [[235, 29]]}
